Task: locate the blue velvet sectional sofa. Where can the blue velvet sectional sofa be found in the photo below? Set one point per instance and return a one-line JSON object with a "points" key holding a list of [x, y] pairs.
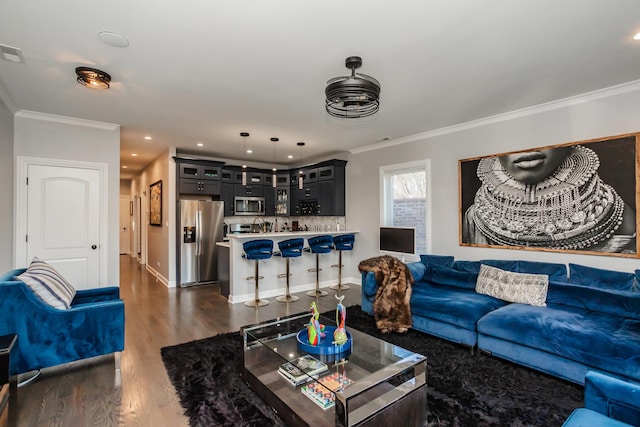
{"points": [[608, 402], [591, 320]]}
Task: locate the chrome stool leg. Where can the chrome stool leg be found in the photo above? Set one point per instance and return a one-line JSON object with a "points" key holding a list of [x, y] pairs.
{"points": [[257, 302], [317, 292], [287, 297], [339, 286]]}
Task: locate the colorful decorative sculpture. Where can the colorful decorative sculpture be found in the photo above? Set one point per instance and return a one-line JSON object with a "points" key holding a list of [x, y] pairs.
{"points": [[314, 328], [340, 334]]}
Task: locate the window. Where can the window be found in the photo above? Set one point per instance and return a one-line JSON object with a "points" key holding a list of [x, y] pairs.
{"points": [[405, 199]]}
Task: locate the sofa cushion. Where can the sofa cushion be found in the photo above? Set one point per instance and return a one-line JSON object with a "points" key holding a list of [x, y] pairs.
{"points": [[555, 271], [589, 337], [445, 276], [444, 260], [459, 307], [474, 266], [615, 303], [582, 417], [48, 284], [601, 278], [513, 287]]}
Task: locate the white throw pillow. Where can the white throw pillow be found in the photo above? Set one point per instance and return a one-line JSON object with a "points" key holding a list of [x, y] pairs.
{"points": [[513, 287], [48, 284]]}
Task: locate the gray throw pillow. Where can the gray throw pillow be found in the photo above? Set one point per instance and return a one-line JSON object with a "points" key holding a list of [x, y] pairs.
{"points": [[48, 284], [522, 288]]}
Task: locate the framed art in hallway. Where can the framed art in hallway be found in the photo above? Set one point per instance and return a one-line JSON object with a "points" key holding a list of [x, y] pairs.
{"points": [[155, 203], [579, 197]]}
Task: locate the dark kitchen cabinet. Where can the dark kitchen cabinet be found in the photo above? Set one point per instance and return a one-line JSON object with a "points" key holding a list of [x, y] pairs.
{"points": [[277, 198], [198, 176], [200, 171], [195, 186], [323, 190], [226, 195], [249, 190]]}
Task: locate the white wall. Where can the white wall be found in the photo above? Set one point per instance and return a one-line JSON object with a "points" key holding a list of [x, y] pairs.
{"points": [[160, 255], [6, 188], [54, 137], [594, 115]]}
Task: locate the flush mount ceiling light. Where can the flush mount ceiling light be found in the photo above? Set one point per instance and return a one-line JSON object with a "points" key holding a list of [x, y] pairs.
{"points": [[93, 78], [354, 96]]}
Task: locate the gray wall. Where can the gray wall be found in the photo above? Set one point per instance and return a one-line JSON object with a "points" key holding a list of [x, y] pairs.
{"points": [[592, 116], [6, 188]]}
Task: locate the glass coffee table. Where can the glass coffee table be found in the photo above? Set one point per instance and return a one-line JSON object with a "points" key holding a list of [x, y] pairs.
{"points": [[382, 384]]}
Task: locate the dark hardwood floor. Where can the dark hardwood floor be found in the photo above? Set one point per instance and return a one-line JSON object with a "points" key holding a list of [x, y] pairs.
{"points": [[89, 393]]}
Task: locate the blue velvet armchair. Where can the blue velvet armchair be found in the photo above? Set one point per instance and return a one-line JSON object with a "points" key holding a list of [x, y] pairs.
{"points": [[92, 326], [608, 401]]}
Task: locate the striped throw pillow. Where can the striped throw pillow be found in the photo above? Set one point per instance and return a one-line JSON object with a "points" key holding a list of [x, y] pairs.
{"points": [[48, 284]]}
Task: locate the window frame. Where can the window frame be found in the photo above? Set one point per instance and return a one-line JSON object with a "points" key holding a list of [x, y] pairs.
{"points": [[386, 172]]}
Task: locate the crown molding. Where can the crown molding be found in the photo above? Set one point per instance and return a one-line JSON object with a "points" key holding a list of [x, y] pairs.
{"points": [[623, 88], [4, 97], [67, 120]]}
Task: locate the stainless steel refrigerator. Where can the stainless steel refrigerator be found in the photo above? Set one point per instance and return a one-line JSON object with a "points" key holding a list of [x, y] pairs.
{"points": [[201, 226]]}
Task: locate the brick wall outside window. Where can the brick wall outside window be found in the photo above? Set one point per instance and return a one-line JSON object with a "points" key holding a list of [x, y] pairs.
{"points": [[412, 213]]}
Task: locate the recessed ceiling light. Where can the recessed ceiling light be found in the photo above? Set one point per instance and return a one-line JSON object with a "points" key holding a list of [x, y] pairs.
{"points": [[637, 36], [134, 155], [289, 156], [113, 39], [249, 151], [200, 144], [124, 167], [148, 138]]}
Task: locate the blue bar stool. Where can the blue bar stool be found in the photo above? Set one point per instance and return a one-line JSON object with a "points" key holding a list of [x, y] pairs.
{"points": [[291, 248], [257, 250], [342, 242], [318, 245]]}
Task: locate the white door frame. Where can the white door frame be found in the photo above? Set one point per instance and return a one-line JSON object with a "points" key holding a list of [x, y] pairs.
{"points": [[20, 213]]}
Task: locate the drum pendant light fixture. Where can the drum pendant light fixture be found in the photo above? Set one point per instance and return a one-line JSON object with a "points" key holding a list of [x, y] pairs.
{"points": [[244, 136], [354, 96], [274, 170], [300, 173], [93, 78]]}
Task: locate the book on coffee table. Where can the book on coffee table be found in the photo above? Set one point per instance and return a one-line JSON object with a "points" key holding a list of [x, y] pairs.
{"points": [[322, 392], [302, 369]]}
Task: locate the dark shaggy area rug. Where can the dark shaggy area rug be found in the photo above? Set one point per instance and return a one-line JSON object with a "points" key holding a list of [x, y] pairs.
{"points": [[463, 390]]}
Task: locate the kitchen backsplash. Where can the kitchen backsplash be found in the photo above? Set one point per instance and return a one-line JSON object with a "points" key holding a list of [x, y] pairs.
{"points": [[312, 223]]}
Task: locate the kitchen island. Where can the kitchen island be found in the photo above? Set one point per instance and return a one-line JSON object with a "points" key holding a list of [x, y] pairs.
{"points": [[241, 289]]}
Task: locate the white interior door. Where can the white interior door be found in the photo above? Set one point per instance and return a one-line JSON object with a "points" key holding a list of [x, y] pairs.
{"points": [[63, 221], [125, 225]]}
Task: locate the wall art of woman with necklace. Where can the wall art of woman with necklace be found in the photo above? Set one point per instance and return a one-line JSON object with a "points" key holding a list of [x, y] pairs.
{"points": [[550, 198]]}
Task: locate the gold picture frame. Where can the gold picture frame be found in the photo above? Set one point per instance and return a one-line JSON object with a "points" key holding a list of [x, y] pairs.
{"points": [[155, 203], [579, 197]]}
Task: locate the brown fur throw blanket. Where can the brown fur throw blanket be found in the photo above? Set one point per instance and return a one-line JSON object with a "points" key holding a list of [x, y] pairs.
{"points": [[391, 303]]}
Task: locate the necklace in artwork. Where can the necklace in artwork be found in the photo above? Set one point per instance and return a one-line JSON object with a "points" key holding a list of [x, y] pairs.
{"points": [[571, 209]]}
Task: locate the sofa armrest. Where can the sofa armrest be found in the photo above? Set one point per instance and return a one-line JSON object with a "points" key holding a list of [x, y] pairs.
{"points": [[612, 397], [96, 295], [417, 269]]}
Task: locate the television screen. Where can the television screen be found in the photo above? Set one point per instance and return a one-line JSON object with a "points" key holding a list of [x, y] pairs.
{"points": [[398, 239]]}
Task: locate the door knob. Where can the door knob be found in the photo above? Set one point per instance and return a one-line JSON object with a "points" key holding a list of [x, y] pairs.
{"points": [[94, 246]]}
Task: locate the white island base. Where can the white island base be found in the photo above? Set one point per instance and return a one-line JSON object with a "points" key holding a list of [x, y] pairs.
{"points": [[270, 287]]}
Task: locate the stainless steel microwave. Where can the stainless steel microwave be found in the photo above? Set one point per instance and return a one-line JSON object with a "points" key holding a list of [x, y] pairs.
{"points": [[248, 206]]}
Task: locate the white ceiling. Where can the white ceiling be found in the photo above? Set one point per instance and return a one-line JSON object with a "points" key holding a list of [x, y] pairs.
{"points": [[203, 70]]}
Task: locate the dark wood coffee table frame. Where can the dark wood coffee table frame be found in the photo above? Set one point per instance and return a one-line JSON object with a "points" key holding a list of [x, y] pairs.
{"points": [[383, 394]]}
